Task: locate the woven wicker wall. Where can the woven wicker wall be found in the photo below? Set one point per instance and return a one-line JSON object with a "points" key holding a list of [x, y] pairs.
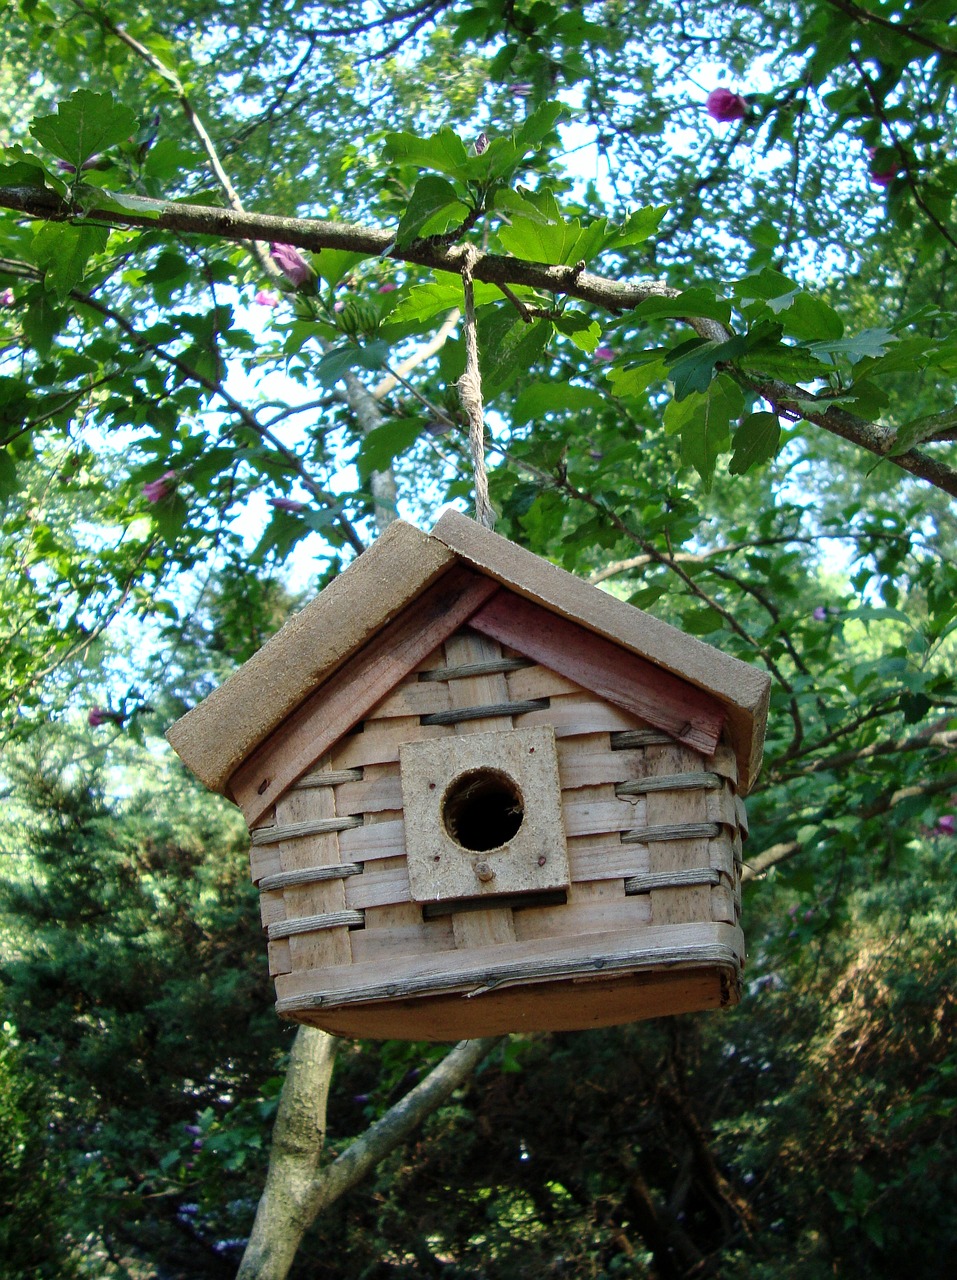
{"points": [[653, 834]]}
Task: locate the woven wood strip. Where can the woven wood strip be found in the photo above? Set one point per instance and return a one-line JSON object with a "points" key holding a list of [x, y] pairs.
{"points": [[479, 713], [309, 875], [671, 879], [293, 830], [680, 831], [622, 739], [327, 778], [312, 924], [494, 666], [543, 969], [670, 782]]}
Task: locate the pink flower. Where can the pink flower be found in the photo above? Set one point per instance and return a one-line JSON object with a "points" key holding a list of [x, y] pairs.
{"points": [[339, 306], [7, 298], [820, 614], [885, 166], [93, 162], [287, 504], [157, 490], [723, 105], [98, 716], [266, 298], [947, 824], [605, 353], [292, 264], [388, 287]]}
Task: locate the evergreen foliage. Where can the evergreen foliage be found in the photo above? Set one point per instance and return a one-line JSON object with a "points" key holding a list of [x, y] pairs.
{"points": [[716, 318]]}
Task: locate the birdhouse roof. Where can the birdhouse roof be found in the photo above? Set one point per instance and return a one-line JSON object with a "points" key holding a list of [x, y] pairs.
{"points": [[702, 691]]}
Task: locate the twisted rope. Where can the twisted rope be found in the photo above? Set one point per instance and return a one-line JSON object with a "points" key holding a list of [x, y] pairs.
{"points": [[470, 393]]}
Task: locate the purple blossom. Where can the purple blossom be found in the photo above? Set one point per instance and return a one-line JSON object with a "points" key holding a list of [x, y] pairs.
{"points": [[389, 287], [820, 614], [157, 490], [287, 504], [266, 298], [947, 824], [64, 166], [605, 353], [723, 105], [98, 716], [884, 178], [884, 168], [6, 298], [292, 264]]}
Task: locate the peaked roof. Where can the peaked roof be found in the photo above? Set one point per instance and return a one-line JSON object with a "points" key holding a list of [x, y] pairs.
{"points": [[218, 735]]}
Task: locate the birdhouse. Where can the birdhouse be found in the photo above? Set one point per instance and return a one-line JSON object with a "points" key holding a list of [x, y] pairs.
{"points": [[485, 796]]}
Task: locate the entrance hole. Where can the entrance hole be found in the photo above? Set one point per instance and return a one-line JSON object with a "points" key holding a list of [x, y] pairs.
{"points": [[483, 809]]}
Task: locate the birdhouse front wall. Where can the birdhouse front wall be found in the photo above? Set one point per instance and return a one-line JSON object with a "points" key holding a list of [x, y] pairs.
{"points": [[650, 865]]}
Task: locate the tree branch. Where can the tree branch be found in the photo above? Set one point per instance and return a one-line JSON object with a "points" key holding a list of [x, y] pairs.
{"points": [[782, 852], [570, 281], [296, 1192]]}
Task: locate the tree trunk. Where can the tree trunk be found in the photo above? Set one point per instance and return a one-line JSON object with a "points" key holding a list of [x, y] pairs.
{"points": [[296, 1192], [298, 1138]]}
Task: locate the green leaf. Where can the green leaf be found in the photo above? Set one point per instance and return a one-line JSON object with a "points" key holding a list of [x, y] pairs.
{"points": [[811, 319], [555, 241], [332, 264], [585, 333], [63, 250], [631, 382], [443, 152], [703, 422], [755, 442], [18, 168], [542, 398], [779, 360], [84, 125], [427, 301], [869, 342], [694, 368], [383, 444], [702, 621], [925, 428], [433, 207], [8, 474], [169, 516], [42, 321], [503, 156], [335, 364], [517, 206], [693, 302], [636, 228], [508, 346]]}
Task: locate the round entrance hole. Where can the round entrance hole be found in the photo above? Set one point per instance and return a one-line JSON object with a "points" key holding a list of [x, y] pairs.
{"points": [[482, 809]]}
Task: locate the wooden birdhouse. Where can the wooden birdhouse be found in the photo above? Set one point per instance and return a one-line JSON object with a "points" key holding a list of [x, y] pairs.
{"points": [[485, 796]]}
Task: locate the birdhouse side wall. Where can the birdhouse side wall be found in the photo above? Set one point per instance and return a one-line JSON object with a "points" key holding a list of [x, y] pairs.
{"points": [[652, 831]]}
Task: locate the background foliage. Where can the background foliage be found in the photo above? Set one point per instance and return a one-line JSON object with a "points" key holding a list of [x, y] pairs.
{"points": [[759, 448]]}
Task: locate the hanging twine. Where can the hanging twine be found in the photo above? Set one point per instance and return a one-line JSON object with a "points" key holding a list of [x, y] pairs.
{"points": [[470, 393]]}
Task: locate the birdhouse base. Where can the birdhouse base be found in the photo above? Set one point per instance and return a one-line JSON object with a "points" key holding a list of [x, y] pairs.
{"points": [[548, 1006], [557, 984]]}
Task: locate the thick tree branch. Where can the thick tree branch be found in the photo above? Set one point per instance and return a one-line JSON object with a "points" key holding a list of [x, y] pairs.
{"points": [[568, 281], [296, 1192]]}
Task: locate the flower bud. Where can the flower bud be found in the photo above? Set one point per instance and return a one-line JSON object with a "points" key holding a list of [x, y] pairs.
{"points": [[723, 105]]}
